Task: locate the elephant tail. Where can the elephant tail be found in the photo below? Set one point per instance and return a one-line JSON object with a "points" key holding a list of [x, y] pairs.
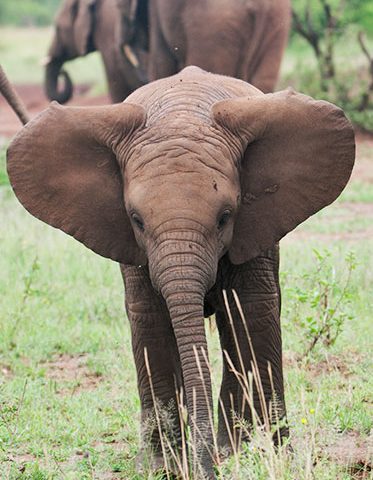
{"points": [[12, 97]]}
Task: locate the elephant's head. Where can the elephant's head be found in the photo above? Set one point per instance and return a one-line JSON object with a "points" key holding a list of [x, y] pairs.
{"points": [[72, 38], [188, 173]]}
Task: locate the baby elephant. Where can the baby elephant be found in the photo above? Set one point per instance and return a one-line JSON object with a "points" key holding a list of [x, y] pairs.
{"points": [[189, 184]]}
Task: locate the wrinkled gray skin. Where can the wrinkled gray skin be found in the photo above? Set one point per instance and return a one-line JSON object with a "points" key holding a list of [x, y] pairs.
{"points": [[244, 39], [81, 27], [189, 184]]}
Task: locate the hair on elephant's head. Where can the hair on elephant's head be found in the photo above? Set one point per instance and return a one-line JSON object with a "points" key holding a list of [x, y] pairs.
{"points": [[72, 38], [188, 169]]}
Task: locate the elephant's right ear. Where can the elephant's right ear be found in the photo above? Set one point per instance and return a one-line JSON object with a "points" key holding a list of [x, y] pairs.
{"points": [[298, 157], [63, 170]]}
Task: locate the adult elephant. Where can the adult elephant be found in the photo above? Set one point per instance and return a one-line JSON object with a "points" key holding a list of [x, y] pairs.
{"points": [[81, 27], [189, 184], [243, 39]]}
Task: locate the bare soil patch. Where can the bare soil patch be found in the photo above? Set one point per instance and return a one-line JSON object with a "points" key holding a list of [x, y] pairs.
{"points": [[332, 364], [5, 371], [344, 365], [72, 374], [21, 461], [351, 211], [35, 100], [353, 451]]}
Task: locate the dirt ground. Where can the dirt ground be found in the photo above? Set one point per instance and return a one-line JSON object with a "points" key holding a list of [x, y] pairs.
{"points": [[36, 101]]}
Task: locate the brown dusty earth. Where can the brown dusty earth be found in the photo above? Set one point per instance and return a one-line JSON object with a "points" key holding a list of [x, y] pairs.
{"points": [[35, 101]]}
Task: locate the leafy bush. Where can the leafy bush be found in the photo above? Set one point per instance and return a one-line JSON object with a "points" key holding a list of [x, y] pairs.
{"points": [[358, 12], [318, 304], [328, 26]]}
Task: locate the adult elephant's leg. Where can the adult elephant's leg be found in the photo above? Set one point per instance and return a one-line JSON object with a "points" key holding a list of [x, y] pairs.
{"points": [[257, 288], [265, 67], [162, 60], [151, 330], [118, 87]]}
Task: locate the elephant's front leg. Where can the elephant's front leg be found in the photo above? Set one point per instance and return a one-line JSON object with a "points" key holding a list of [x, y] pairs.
{"points": [[256, 284], [151, 331]]}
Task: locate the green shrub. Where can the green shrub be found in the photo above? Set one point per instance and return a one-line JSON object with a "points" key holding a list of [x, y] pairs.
{"points": [[319, 302]]}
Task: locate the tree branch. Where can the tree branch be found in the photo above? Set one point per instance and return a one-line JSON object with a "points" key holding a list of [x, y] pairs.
{"points": [[307, 31], [364, 48]]}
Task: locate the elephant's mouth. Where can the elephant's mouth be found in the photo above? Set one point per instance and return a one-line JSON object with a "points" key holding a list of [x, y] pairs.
{"points": [[137, 59]]}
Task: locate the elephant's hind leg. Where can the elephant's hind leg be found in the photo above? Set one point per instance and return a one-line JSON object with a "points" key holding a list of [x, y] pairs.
{"points": [[151, 331]]}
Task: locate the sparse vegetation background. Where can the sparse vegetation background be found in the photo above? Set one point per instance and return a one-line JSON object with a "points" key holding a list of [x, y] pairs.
{"points": [[68, 397]]}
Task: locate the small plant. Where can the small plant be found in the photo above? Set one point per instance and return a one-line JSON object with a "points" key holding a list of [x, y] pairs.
{"points": [[319, 303], [28, 291]]}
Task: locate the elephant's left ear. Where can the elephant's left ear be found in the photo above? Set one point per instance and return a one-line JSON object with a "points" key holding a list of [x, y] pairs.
{"points": [[63, 168], [298, 157]]}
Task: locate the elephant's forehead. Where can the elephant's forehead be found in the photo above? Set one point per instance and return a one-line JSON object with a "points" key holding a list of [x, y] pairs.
{"points": [[192, 190], [191, 151], [191, 85]]}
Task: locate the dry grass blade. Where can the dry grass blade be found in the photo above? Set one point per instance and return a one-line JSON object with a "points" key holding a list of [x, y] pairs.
{"points": [[254, 364], [184, 450], [164, 453]]}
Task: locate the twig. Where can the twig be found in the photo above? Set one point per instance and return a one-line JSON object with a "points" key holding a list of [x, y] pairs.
{"points": [[366, 95]]}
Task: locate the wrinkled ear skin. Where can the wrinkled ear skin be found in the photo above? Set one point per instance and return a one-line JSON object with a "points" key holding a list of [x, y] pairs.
{"points": [[298, 154], [64, 171]]}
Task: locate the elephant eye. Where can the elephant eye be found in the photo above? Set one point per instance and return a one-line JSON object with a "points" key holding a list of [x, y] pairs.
{"points": [[224, 218], [137, 221]]}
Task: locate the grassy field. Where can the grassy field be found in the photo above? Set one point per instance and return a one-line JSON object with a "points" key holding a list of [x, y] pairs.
{"points": [[68, 400], [23, 49]]}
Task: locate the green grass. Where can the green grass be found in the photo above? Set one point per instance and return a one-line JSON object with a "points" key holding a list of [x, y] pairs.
{"points": [[358, 192], [3, 176], [23, 49]]}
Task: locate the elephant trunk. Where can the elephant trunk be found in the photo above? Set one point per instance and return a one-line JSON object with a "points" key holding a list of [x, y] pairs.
{"points": [[52, 74], [183, 280]]}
